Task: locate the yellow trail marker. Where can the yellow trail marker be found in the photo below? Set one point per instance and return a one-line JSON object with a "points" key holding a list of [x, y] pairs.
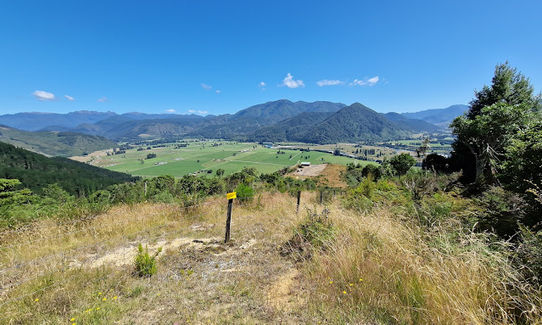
{"points": [[230, 196]]}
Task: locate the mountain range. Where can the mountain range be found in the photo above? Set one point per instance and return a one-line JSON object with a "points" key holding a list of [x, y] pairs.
{"points": [[281, 120], [439, 116]]}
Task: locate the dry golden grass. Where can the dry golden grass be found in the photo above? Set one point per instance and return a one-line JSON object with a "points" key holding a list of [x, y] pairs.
{"points": [[378, 269], [49, 274], [384, 270]]}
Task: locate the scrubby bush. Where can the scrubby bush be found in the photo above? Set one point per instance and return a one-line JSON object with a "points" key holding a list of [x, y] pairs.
{"points": [[354, 174], [245, 193], [372, 171], [401, 164], [145, 264], [529, 255], [316, 231], [501, 211], [437, 163]]}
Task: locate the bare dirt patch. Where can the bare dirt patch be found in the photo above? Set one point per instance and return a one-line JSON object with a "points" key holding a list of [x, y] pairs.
{"points": [[126, 255], [310, 171], [330, 174], [282, 293], [91, 156], [333, 175]]}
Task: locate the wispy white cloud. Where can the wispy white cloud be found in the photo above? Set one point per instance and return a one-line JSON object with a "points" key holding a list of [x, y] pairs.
{"points": [[373, 80], [199, 112], [43, 95], [218, 91], [290, 82], [170, 110], [70, 98], [366, 82], [261, 84], [102, 99], [206, 86], [326, 82]]}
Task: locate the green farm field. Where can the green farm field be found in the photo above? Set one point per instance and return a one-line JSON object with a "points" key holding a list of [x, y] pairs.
{"points": [[199, 156]]}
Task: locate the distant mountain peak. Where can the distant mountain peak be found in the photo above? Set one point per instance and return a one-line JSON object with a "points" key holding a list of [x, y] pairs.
{"points": [[439, 116]]}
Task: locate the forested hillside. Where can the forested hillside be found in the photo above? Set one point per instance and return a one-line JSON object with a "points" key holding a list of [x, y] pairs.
{"points": [[51, 143], [354, 123], [36, 171]]}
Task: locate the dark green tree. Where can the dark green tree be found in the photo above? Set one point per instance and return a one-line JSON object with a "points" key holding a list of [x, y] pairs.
{"points": [[401, 164], [12, 193], [496, 115]]}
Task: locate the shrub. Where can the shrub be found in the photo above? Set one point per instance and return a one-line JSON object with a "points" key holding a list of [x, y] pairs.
{"points": [[315, 232], [501, 211], [436, 163], [145, 265], [163, 197], [371, 171], [400, 164], [245, 193], [317, 229], [530, 255], [361, 197]]}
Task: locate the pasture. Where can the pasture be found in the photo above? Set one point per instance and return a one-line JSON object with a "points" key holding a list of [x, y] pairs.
{"points": [[210, 155]]}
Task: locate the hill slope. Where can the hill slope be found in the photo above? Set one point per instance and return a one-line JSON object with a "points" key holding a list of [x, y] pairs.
{"points": [[291, 128], [328, 265], [414, 125], [36, 171], [351, 124], [275, 111], [55, 143], [124, 127]]}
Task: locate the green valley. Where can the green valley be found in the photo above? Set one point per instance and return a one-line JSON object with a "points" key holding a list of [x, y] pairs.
{"points": [[207, 157]]}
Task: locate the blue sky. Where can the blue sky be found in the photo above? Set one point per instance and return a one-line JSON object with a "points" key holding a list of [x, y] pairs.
{"points": [[215, 57]]}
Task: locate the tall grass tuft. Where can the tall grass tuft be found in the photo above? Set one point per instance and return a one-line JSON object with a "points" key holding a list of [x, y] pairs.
{"points": [[381, 268]]}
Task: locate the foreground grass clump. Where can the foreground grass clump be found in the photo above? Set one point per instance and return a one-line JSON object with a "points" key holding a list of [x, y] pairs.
{"points": [[417, 264], [315, 232]]}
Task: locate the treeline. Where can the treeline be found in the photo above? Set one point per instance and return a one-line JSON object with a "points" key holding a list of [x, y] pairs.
{"points": [[498, 150], [492, 181], [19, 204], [36, 172]]}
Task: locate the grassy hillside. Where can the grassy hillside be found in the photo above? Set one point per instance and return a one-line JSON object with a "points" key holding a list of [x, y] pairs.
{"points": [[63, 144], [346, 261], [36, 171]]}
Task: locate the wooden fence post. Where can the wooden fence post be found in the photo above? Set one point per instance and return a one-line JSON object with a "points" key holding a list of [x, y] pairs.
{"points": [[321, 196], [230, 197], [228, 221], [298, 201]]}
